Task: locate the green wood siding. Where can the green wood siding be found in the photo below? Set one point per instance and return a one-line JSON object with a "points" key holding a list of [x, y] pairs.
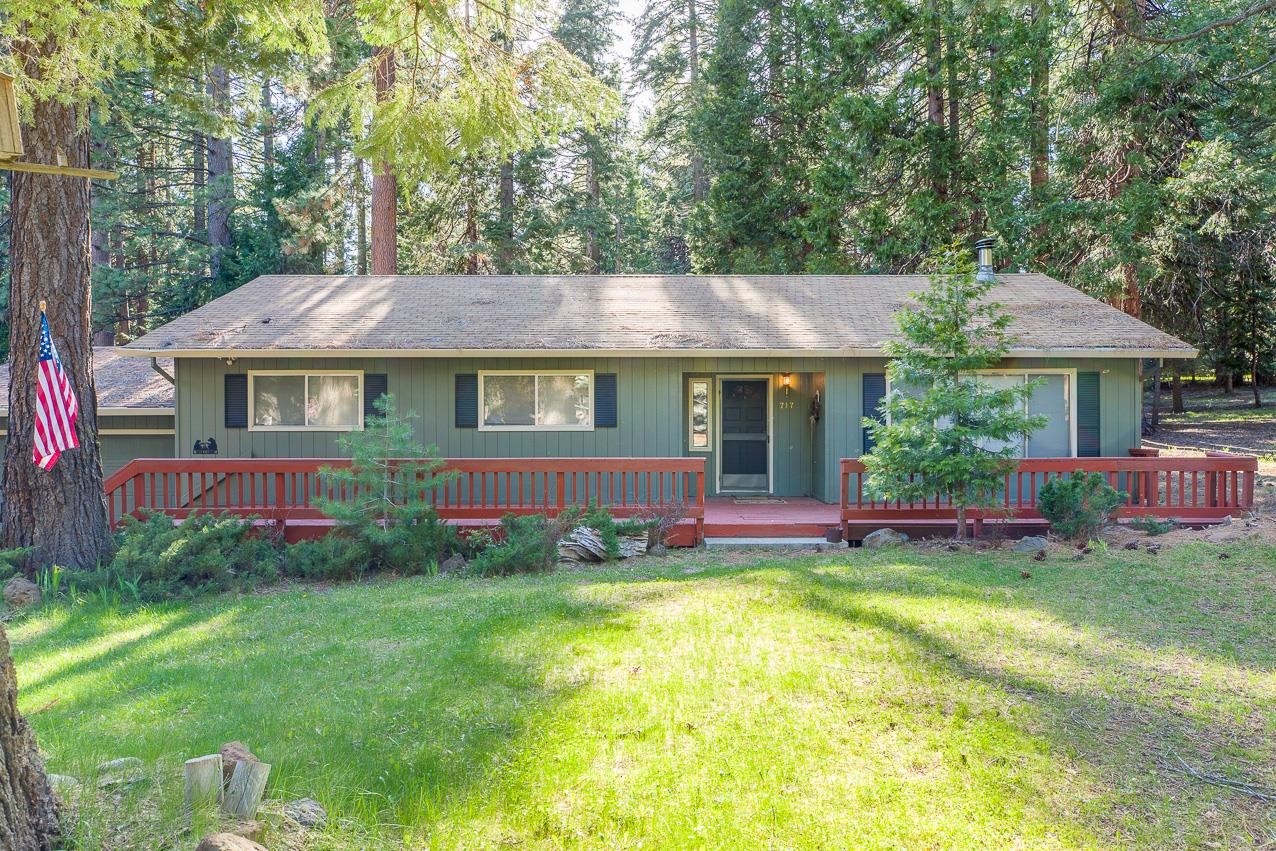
{"points": [[118, 449], [651, 408]]}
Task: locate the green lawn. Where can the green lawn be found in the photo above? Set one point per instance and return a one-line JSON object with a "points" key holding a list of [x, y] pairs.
{"points": [[894, 700]]}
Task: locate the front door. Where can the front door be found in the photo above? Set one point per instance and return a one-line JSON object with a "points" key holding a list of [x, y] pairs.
{"points": [[745, 441]]}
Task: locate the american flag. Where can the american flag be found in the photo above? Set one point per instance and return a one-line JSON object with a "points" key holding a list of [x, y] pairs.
{"points": [[55, 405]]}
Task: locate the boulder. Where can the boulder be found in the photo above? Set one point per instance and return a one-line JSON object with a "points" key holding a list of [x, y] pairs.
{"points": [[453, 564], [227, 842], [1031, 544], [306, 812], [884, 538], [232, 753], [20, 591]]}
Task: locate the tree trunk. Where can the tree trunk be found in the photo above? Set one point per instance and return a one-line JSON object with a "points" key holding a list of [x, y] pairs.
{"points": [[361, 220], [1176, 389], [505, 254], [471, 234], [28, 808], [593, 245], [961, 522], [61, 512], [937, 129], [1255, 365], [385, 186], [221, 185], [199, 171], [1156, 398], [267, 127], [698, 185], [1038, 95]]}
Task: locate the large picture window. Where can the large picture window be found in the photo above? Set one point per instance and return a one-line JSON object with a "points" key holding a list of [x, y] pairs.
{"points": [[305, 401], [560, 400], [1054, 399]]}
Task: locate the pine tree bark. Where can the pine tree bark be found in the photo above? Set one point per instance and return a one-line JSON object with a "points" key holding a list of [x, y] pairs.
{"points": [[1176, 389], [221, 186], [937, 130], [505, 254], [699, 187], [1038, 95], [593, 244], [361, 220], [385, 186], [28, 807], [61, 512]]}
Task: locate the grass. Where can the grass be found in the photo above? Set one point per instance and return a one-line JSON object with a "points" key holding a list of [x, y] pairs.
{"points": [[870, 700]]}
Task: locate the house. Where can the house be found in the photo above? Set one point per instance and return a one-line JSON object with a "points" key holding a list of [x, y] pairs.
{"points": [[765, 378], [134, 408]]}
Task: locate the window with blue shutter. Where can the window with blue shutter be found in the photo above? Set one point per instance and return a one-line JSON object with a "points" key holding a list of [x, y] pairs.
{"points": [[605, 400], [1088, 414], [874, 391], [236, 400], [375, 385], [467, 400]]}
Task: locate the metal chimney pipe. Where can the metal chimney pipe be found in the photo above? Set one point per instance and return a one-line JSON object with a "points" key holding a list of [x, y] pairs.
{"points": [[983, 257]]}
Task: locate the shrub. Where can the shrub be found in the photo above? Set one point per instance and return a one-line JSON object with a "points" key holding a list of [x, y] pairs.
{"points": [[1078, 506], [387, 511], [1152, 525], [661, 520], [610, 530], [334, 556], [529, 544], [157, 559]]}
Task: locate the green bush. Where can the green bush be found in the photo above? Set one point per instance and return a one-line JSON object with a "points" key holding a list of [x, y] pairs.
{"points": [[1152, 525], [157, 559], [1079, 506], [609, 529], [528, 544], [334, 556]]}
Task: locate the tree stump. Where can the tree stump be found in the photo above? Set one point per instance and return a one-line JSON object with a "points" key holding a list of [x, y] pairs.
{"points": [[245, 789], [204, 780]]}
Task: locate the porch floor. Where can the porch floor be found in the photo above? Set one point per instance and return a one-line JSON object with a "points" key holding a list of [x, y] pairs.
{"points": [[796, 517]]}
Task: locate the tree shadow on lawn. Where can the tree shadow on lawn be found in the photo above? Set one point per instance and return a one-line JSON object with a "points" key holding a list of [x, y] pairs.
{"points": [[1127, 736], [386, 701]]}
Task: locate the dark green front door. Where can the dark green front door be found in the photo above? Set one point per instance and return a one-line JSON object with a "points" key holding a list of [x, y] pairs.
{"points": [[744, 435]]}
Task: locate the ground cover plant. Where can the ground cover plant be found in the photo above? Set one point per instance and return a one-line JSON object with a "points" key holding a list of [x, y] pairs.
{"points": [[910, 698], [1079, 505]]}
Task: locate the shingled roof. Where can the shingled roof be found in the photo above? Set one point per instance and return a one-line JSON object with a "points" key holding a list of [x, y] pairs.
{"points": [[123, 384], [623, 314]]}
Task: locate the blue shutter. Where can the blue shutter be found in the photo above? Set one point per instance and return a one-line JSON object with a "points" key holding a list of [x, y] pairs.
{"points": [[874, 390], [1088, 444], [605, 400], [236, 397], [466, 400], [375, 385]]}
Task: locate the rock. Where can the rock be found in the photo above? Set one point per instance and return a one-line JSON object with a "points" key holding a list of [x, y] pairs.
{"points": [[1153, 550], [227, 842], [1031, 544], [307, 812], [884, 538], [233, 752], [659, 550], [125, 771], [20, 591], [453, 564]]}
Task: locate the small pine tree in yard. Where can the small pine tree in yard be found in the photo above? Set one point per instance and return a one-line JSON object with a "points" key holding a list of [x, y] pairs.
{"points": [[382, 500], [939, 441]]}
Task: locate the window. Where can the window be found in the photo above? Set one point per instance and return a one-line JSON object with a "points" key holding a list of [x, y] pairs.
{"points": [[302, 401], [1055, 400], [561, 400], [698, 436]]}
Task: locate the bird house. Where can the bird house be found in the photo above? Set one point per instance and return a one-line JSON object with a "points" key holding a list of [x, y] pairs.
{"points": [[10, 131]]}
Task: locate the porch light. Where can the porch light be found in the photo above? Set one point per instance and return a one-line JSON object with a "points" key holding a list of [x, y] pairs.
{"points": [[787, 381]]}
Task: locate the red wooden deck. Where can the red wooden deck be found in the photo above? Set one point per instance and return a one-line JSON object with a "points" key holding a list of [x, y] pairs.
{"points": [[282, 491], [795, 517]]}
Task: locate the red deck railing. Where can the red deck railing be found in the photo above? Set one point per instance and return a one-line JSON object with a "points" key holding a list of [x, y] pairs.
{"points": [[483, 489], [1188, 489]]}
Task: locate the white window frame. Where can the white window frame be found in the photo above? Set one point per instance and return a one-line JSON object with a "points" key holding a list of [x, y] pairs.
{"points": [[482, 399], [1071, 372], [252, 397], [707, 381]]}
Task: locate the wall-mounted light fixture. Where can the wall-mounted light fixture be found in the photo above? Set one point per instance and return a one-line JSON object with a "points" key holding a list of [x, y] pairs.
{"points": [[787, 381]]}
